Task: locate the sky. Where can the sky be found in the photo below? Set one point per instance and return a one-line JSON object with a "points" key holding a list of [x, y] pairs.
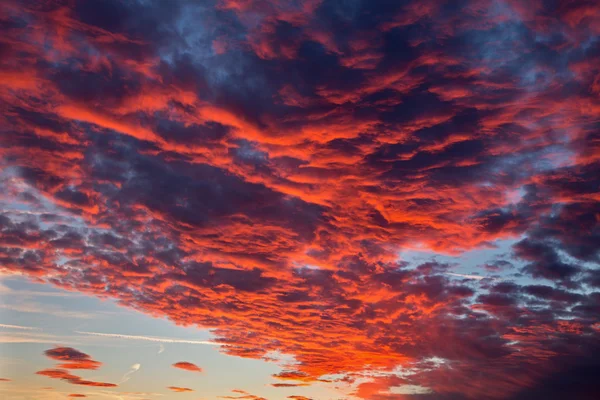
{"points": [[322, 200]]}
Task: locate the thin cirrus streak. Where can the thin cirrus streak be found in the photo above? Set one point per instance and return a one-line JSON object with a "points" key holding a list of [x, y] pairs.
{"points": [[30, 337], [149, 338], [19, 327], [267, 170]]}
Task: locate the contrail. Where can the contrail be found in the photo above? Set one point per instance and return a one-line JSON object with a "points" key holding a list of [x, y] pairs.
{"points": [[134, 368], [150, 338], [25, 328]]}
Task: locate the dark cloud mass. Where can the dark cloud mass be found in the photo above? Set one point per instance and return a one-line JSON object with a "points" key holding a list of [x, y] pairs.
{"points": [[260, 169]]}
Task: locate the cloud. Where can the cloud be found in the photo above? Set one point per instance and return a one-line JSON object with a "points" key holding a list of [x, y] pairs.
{"points": [[180, 389], [25, 328], [72, 359], [188, 366], [134, 368], [72, 379], [466, 276], [27, 336], [261, 179], [149, 338], [242, 394], [288, 384]]}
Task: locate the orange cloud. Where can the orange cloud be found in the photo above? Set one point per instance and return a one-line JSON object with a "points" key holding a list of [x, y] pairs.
{"points": [[73, 379], [180, 389], [188, 366], [74, 359]]}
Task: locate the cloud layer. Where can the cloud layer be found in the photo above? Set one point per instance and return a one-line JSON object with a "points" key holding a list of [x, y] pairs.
{"points": [[256, 168]]}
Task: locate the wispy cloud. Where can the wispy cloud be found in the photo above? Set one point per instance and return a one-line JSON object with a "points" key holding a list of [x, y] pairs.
{"points": [[37, 308], [180, 389], [24, 328], [134, 368], [126, 395], [149, 338], [42, 394], [26, 337]]}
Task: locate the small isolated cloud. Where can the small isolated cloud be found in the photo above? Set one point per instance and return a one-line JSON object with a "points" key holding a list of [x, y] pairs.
{"points": [[5, 380], [280, 385], [299, 398], [76, 395], [180, 389], [161, 348], [73, 359], [188, 366]]}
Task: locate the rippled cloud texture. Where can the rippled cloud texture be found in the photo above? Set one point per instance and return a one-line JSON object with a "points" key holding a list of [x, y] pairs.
{"points": [[257, 168]]}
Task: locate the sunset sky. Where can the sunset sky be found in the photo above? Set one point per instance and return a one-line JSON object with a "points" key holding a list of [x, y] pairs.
{"points": [[300, 199]]}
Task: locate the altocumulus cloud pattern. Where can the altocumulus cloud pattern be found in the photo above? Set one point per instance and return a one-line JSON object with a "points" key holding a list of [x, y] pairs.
{"points": [[306, 178]]}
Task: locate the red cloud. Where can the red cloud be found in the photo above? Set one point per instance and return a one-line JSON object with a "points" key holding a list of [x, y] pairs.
{"points": [[77, 395], [280, 198], [180, 389], [73, 379], [74, 358], [188, 366], [288, 384]]}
